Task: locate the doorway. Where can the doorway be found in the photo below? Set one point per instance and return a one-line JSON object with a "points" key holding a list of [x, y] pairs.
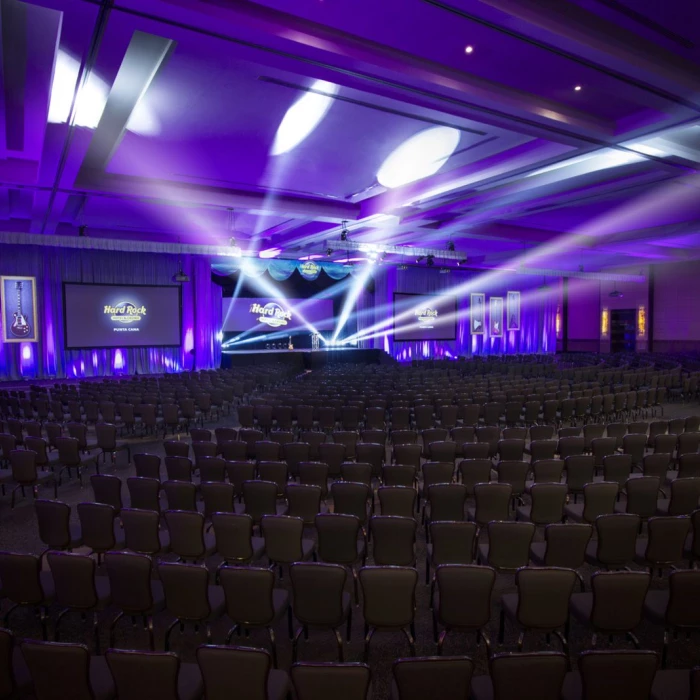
{"points": [[623, 330]]}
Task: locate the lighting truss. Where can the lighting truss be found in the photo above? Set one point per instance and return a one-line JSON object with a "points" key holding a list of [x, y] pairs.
{"points": [[406, 251]]}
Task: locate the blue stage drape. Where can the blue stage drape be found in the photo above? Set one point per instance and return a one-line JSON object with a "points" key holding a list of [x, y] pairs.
{"points": [[537, 315], [201, 313]]}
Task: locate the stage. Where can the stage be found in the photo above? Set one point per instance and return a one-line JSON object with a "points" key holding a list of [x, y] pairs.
{"points": [[304, 358]]}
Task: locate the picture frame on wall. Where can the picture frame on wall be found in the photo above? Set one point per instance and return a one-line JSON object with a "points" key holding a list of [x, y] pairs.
{"points": [[19, 309], [477, 313], [496, 317], [513, 311]]}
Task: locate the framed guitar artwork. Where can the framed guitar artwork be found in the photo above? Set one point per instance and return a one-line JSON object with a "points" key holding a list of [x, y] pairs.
{"points": [[19, 311]]}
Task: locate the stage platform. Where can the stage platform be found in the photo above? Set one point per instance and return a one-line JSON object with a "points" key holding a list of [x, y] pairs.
{"points": [[304, 358]]}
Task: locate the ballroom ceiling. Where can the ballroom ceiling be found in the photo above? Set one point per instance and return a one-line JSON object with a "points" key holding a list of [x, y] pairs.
{"points": [[542, 134]]}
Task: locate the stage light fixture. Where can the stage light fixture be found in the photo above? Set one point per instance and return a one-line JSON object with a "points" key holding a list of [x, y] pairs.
{"points": [[329, 251], [430, 261], [469, 49], [451, 246], [419, 258]]}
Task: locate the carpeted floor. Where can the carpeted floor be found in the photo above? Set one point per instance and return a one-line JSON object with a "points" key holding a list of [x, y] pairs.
{"points": [[18, 532]]}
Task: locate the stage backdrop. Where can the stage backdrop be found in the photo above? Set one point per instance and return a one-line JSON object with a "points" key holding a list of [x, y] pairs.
{"points": [[538, 305], [52, 266]]}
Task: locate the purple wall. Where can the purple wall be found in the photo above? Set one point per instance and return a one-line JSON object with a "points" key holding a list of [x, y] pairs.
{"points": [[584, 315], [677, 307]]}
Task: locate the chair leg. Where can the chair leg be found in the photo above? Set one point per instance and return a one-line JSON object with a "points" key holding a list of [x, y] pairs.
{"points": [[168, 632], [501, 627], [295, 644], [349, 625], [368, 638], [96, 631], [435, 627], [112, 627], [290, 626], [411, 640]]}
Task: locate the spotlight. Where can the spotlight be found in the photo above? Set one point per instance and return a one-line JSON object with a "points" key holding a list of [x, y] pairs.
{"points": [[329, 251], [578, 88], [451, 246], [344, 231], [468, 49], [430, 261], [419, 258], [81, 231], [462, 262]]}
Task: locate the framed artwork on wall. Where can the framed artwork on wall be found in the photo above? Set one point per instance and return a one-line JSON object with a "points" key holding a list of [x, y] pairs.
{"points": [[513, 311], [496, 317], [477, 313], [19, 310]]}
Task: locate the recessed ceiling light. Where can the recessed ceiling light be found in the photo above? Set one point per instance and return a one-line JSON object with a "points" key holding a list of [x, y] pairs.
{"points": [[578, 88], [468, 49]]}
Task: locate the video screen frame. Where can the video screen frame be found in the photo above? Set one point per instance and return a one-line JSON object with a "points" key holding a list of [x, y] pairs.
{"points": [[416, 294], [66, 346]]}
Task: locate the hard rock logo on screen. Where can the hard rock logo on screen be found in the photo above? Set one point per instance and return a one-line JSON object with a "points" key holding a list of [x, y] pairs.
{"points": [[125, 312], [271, 314], [426, 317]]}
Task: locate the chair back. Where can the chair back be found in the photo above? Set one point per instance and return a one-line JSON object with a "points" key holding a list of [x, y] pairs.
{"points": [[249, 595], [609, 675], [548, 500], [186, 590], [617, 538], [684, 589], [21, 582], [492, 502], [283, 538], [130, 581], [534, 675], [394, 540], [303, 501], [397, 500], [97, 526], [509, 544], [618, 600], [351, 498], [464, 593], [543, 597], [141, 532], [230, 672], [73, 580], [418, 678], [317, 593], [599, 499], [53, 519], [186, 530], [147, 465], [144, 493], [337, 537], [667, 538], [140, 675], [389, 595], [319, 681], [58, 671], [446, 501]]}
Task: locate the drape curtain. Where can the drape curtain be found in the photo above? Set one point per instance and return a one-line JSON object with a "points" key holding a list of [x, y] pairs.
{"points": [[537, 313], [201, 312]]}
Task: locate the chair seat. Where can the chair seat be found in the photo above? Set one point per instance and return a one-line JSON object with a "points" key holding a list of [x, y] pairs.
{"points": [[278, 687], [482, 688], [572, 688], [101, 679], [280, 602], [509, 602], [640, 551], [662, 506], [538, 551], [581, 606], [189, 682], [655, 605], [23, 681], [483, 553], [104, 595], [574, 511], [523, 512], [671, 685], [307, 549], [76, 536], [258, 546], [217, 602]]}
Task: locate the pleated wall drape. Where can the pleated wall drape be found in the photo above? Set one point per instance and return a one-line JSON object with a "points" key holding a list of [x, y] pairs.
{"points": [[52, 266], [537, 316]]}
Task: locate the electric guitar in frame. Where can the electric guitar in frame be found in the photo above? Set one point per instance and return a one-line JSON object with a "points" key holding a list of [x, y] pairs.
{"points": [[20, 327]]}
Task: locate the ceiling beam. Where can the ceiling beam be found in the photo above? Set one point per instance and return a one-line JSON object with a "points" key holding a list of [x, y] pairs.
{"points": [[144, 58], [14, 60]]}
